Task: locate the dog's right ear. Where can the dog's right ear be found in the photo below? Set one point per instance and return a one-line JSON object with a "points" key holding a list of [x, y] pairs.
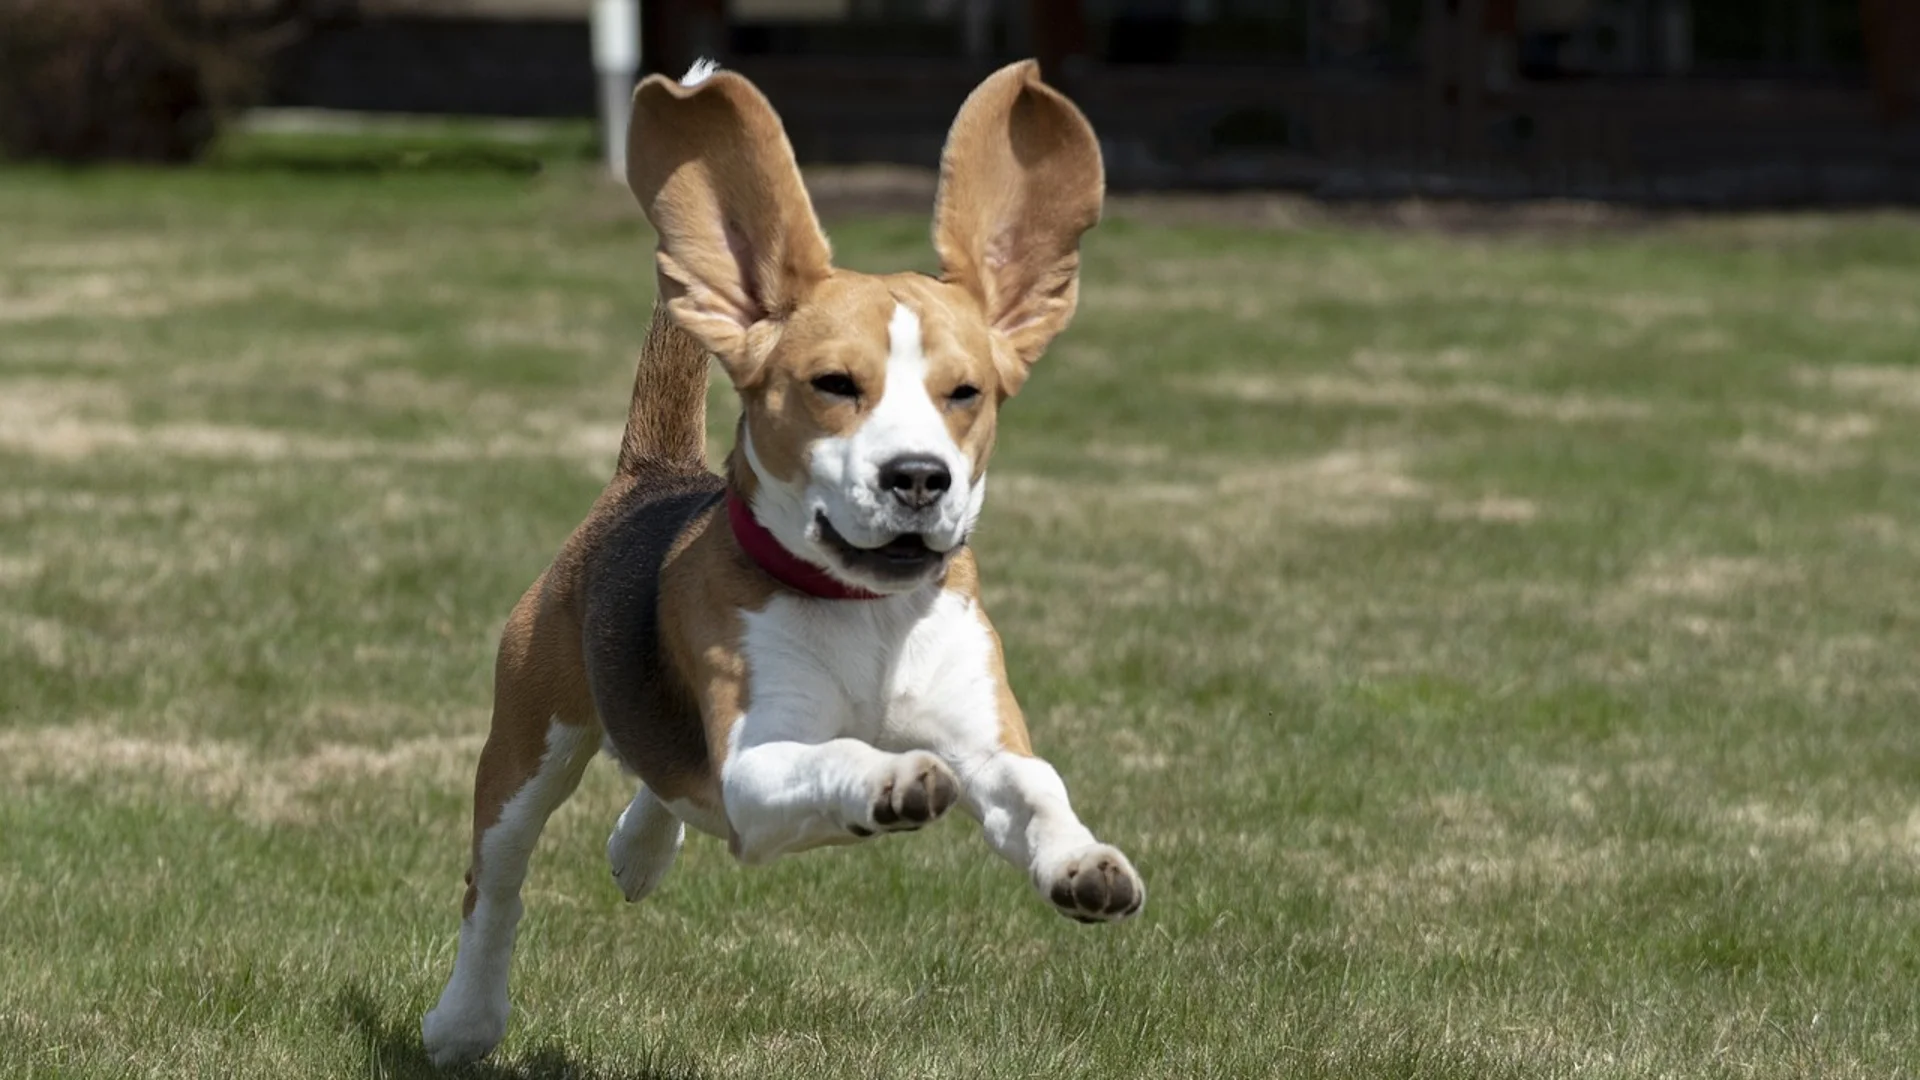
{"points": [[740, 247]]}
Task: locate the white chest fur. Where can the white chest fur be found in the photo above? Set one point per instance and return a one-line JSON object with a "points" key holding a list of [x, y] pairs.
{"points": [[901, 673]]}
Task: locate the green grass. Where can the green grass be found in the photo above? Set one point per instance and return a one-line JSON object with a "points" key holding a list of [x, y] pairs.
{"points": [[1499, 655]]}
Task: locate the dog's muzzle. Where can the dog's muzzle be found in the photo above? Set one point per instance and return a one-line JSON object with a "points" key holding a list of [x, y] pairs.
{"points": [[903, 560]]}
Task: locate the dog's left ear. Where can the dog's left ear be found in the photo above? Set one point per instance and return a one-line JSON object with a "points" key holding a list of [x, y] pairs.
{"points": [[1020, 181]]}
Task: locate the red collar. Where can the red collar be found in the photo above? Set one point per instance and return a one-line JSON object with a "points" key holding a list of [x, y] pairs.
{"points": [[782, 565]]}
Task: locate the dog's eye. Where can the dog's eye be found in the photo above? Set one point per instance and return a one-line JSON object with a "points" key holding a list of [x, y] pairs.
{"points": [[963, 393], [839, 384]]}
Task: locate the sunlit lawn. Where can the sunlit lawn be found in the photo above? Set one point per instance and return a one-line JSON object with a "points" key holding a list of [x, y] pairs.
{"points": [[1500, 655]]}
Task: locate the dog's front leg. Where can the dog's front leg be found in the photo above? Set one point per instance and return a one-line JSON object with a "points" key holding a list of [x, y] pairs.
{"points": [[1023, 810], [785, 796]]}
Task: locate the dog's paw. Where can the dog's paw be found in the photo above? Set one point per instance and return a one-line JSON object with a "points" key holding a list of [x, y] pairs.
{"points": [[641, 851], [1095, 884], [461, 1033], [639, 868], [915, 791]]}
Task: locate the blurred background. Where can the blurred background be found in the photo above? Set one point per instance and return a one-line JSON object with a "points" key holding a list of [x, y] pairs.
{"points": [[1694, 102]]}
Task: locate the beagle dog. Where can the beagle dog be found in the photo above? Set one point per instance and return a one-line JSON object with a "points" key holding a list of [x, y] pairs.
{"points": [[794, 654]]}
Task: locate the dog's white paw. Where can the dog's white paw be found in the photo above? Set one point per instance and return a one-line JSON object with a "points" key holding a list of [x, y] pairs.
{"points": [[1094, 884], [462, 1032], [915, 790], [641, 857]]}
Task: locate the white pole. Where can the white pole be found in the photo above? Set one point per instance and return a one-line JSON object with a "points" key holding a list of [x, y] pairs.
{"points": [[977, 27], [616, 57]]}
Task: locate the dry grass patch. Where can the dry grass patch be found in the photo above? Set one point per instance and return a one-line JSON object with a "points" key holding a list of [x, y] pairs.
{"points": [[1807, 443], [72, 439], [1705, 341], [553, 334], [546, 319], [145, 276], [1811, 445], [1831, 428], [226, 775], [15, 569], [1493, 509], [1787, 456], [25, 502], [47, 641], [1881, 384], [1132, 455], [73, 420], [129, 293], [103, 253], [1638, 310], [1698, 579], [1809, 833], [1466, 866], [1887, 531], [1241, 287], [1407, 394], [1381, 363], [1247, 305], [1344, 487], [1226, 506], [349, 361], [27, 402], [1847, 305]]}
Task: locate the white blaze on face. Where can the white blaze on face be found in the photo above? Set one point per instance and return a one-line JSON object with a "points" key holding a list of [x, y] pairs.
{"points": [[906, 422]]}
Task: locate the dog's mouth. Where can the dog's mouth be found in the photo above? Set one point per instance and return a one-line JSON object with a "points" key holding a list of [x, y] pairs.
{"points": [[904, 558]]}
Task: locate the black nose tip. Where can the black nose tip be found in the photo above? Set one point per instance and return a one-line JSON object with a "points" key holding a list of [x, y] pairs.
{"points": [[917, 480]]}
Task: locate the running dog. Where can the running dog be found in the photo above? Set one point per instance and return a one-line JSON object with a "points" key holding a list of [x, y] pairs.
{"points": [[794, 654]]}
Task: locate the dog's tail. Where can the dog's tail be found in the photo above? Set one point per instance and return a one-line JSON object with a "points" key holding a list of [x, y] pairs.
{"points": [[667, 421]]}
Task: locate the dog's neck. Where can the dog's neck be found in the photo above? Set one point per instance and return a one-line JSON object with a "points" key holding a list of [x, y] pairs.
{"points": [[780, 564], [766, 550]]}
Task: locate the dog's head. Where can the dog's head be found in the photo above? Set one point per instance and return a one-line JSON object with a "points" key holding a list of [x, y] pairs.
{"points": [[868, 403]]}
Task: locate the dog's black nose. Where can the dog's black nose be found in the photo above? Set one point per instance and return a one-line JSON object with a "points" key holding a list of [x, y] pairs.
{"points": [[917, 480]]}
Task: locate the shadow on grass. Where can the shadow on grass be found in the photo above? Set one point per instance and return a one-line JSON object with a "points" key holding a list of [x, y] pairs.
{"points": [[394, 1051]]}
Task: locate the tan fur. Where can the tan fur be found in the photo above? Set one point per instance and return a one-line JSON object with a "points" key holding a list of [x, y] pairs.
{"points": [[1021, 165], [706, 583], [959, 349], [740, 247], [843, 328], [963, 577], [667, 420]]}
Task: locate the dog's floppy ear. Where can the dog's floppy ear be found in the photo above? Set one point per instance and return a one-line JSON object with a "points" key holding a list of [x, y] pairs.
{"points": [[1020, 181], [740, 247]]}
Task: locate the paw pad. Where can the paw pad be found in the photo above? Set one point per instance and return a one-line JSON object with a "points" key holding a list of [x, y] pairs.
{"points": [[1098, 885], [919, 790]]}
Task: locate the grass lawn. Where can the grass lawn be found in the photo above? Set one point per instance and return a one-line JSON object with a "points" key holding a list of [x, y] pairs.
{"points": [[1500, 653]]}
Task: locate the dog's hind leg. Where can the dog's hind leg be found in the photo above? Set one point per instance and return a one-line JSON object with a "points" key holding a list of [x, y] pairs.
{"points": [[643, 845], [530, 765]]}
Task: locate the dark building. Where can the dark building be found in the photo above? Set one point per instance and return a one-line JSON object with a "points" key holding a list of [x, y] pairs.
{"points": [[1689, 101]]}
